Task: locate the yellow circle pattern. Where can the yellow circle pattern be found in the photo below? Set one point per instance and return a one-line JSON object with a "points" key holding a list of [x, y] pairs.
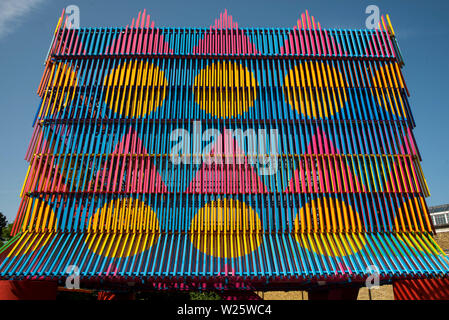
{"points": [[410, 216], [145, 83], [226, 228], [307, 85], [122, 227], [384, 78], [225, 89], [338, 244]]}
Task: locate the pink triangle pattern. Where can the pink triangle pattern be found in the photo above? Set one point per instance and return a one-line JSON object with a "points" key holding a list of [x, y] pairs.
{"points": [[308, 38], [142, 175], [141, 37], [225, 37], [320, 144], [51, 180], [230, 176], [403, 168]]}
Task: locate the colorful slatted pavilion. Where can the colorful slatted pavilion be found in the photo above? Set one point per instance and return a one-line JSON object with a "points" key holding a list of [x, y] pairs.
{"points": [[103, 192]]}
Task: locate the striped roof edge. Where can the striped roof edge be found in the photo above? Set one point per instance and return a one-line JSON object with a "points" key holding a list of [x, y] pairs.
{"points": [[307, 256]]}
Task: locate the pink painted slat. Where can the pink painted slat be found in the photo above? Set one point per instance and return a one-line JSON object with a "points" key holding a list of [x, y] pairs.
{"points": [[118, 176], [311, 35], [384, 42], [138, 152], [100, 172], [41, 143], [330, 160], [231, 36], [306, 34], [63, 32], [392, 177], [124, 39], [216, 51], [141, 178], [129, 173], [380, 43], [104, 179], [323, 43], [246, 44], [290, 43], [202, 46], [113, 176], [321, 179], [141, 32], [336, 52], [285, 47], [222, 37], [325, 161], [56, 41], [158, 181], [147, 173], [152, 189], [210, 41], [30, 176], [351, 177], [68, 35], [130, 37], [136, 32], [239, 39], [145, 39], [314, 175], [303, 179], [131, 168], [389, 40], [227, 45], [404, 177], [156, 41], [336, 163], [48, 185], [331, 52], [72, 37], [161, 43], [150, 43], [318, 40], [116, 44], [301, 38], [308, 172], [296, 49], [374, 44], [32, 141], [38, 169]]}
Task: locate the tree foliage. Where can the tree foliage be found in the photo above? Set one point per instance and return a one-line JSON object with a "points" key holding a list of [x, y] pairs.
{"points": [[3, 223], [5, 229]]}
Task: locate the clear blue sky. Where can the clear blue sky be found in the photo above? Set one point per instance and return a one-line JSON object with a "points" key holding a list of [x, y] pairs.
{"points": [[422, 29]]}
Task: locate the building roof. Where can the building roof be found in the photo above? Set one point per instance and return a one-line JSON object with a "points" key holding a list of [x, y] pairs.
{"points": [[440, 208]]}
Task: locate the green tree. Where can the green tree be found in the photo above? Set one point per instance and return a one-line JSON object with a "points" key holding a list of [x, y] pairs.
{"points": [[5, 229], [3, 222]]}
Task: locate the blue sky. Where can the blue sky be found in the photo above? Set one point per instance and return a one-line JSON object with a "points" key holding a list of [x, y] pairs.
{"points": [[26, 26]]}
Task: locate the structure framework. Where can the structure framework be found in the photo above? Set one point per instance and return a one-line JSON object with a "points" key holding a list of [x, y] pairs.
{"points": [[223, 158]]}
